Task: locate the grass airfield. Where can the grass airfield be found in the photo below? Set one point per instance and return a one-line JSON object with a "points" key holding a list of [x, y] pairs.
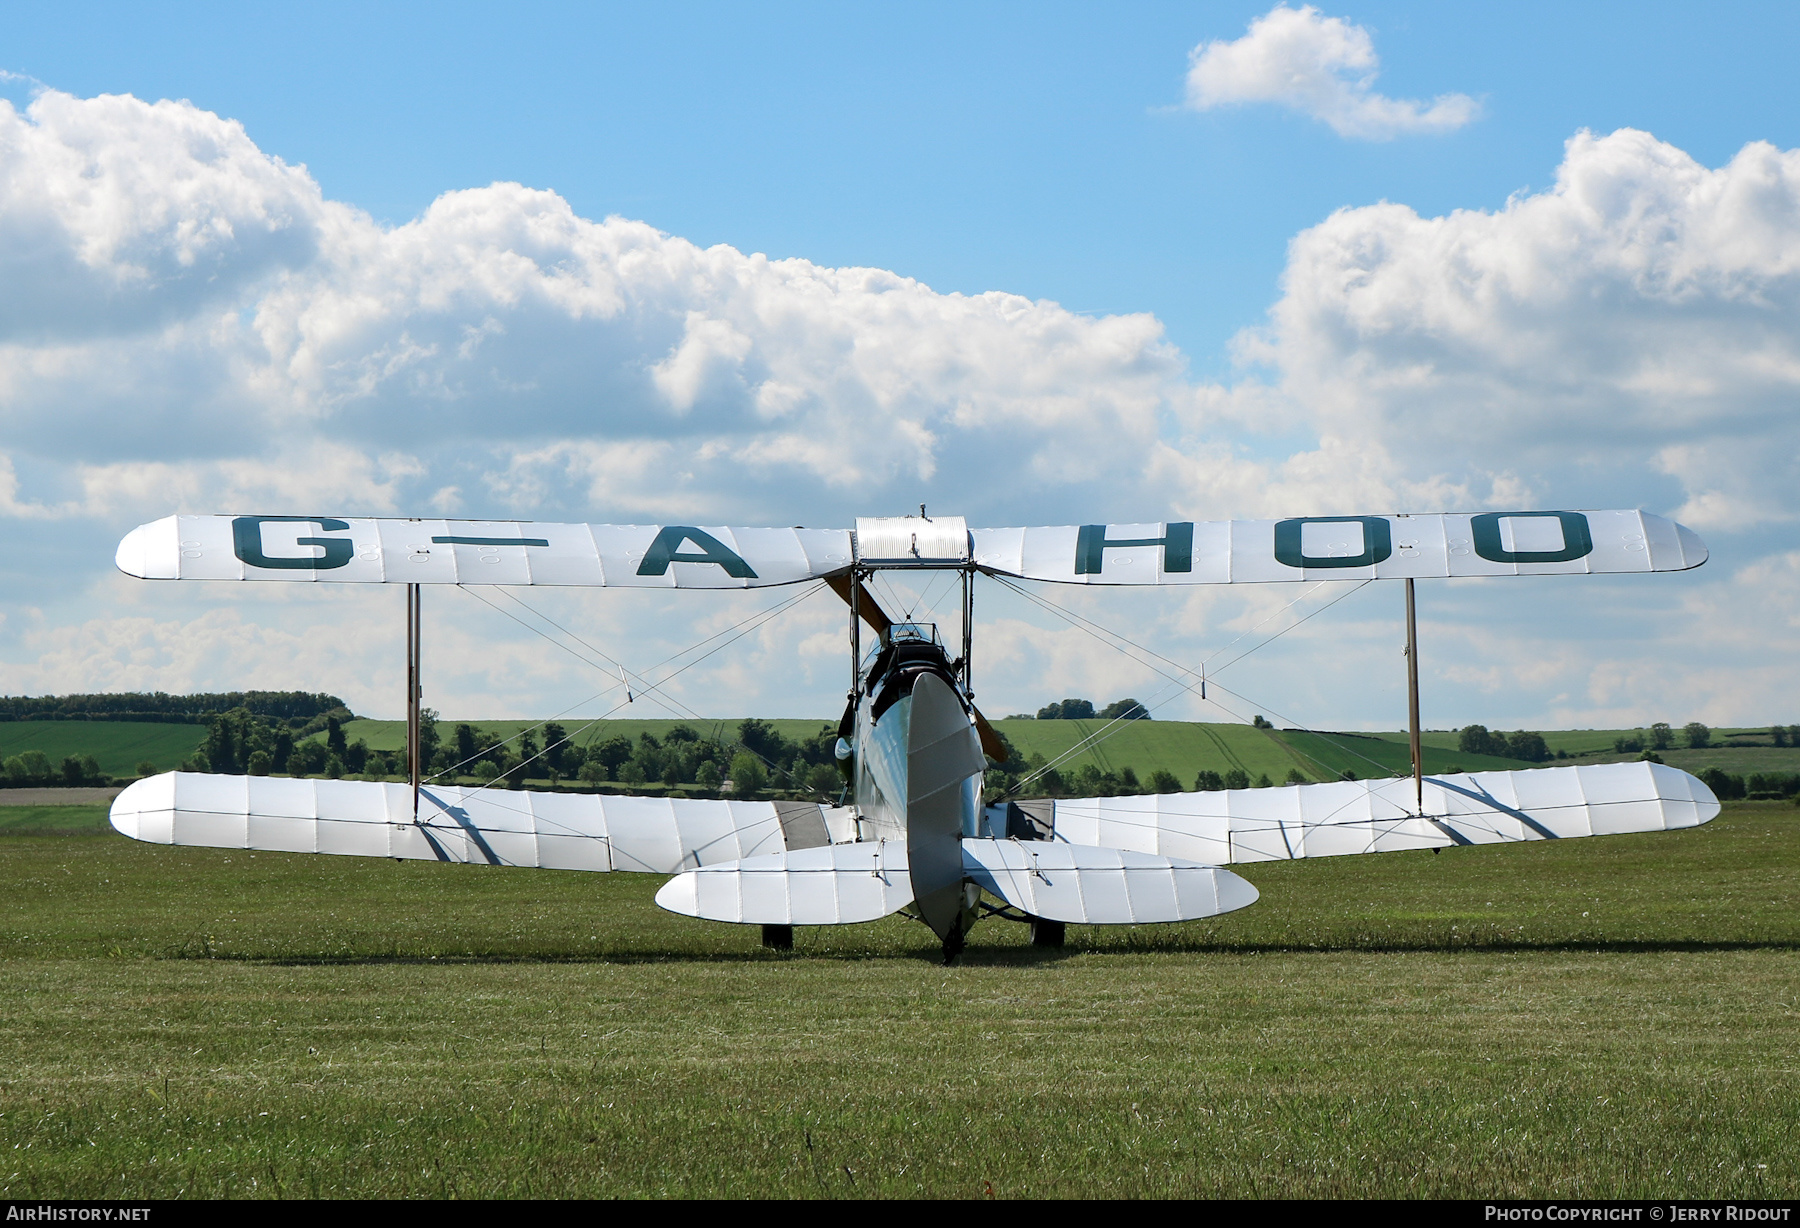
{"points": [[1607, 1017]]}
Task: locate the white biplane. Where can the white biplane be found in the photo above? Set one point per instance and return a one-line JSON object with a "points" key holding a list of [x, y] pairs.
{"points": [[915, 834]]}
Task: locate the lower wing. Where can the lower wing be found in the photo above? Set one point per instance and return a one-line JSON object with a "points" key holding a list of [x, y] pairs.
{"points": [[502, 827], [1375, 816]]}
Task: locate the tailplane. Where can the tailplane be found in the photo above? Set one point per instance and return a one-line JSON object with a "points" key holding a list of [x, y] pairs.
{"points": [[1100, 886], [839, 884]]}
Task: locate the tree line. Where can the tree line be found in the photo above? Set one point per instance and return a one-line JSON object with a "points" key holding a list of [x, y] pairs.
{"points": [[244, 742], [33, 767], [1695, 736], [1757, 786], [760, 760], [159, 706], [1083, 710], [1032, 776], [233, 741], [1524, 744], [1661, 736]]}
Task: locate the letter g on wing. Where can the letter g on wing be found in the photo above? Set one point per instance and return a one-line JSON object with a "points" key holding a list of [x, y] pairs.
{"points": [[247, 543]]}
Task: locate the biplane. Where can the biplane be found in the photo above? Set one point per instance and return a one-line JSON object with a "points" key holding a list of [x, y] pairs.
{"points": [[912, 833]]}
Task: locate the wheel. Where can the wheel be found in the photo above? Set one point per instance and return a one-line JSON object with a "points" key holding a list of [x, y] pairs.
{"points": [[778, 937], [1046, 933]]}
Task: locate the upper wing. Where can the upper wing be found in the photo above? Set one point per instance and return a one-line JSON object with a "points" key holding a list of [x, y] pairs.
{"points": [[1342, 548], [393, 551], [1377, 816], [370, 551], [553, 831]]}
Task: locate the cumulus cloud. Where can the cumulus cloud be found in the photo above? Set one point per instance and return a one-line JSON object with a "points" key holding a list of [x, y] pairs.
{"points": [[166, 277], [193, 325], [121, 215], [1635, 326], [1321, 66]]}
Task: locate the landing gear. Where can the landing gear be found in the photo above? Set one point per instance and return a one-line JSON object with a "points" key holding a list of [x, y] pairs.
{"points": [[778, 937], [953, 945], [1046, 933]]}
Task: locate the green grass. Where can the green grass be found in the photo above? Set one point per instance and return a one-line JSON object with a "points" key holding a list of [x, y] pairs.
{"points": [[1611, 1017], [53, 820], [118, 746]]}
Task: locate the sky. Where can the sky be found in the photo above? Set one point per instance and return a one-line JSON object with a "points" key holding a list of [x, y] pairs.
{"points": [[792, 264]]}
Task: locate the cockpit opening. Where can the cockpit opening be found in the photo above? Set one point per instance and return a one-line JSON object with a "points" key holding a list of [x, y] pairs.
{"points": [[914, 632], [904, 652]]}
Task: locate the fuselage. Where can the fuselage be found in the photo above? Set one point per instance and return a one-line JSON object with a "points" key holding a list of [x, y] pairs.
{"points": [[918, 768]]}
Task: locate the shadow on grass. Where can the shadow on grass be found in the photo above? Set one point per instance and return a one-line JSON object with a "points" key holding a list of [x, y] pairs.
{"points": [[60, 832], [1433, 946], [1001, 957]]}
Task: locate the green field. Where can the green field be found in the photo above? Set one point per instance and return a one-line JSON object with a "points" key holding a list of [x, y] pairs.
{"points": [[118, 746], [53, 820], [1181, 747], [1752, 753], [391, 735], [1729, 759], [1185, 748], [1600, 741], [1585, 1018]]}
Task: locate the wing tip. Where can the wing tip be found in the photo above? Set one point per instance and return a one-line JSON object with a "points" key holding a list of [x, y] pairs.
{"points": [[680, 895], [1693, 550], [1234, 891], [1707, 806], [151, 551], [152, 794]]}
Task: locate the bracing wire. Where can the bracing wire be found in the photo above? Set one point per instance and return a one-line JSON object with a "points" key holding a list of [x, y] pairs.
{"points": [[1382, 767], [1183, 685], [742, 628], [650, 687], [1253, 628]]}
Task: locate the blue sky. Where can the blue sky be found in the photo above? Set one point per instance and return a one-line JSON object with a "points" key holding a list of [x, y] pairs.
{"points": [[1038, 150]]}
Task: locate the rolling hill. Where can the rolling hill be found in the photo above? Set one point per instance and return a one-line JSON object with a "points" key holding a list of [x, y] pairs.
{"points": [[118, 746], [1181, 747]]}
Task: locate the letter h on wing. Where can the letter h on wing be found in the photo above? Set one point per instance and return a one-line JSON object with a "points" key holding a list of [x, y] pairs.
{"points": [[1091, 545]]}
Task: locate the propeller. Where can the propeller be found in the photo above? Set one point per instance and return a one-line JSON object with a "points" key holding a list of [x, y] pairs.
{"points": [[866, 606], [991, 745], [870, 611]]}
